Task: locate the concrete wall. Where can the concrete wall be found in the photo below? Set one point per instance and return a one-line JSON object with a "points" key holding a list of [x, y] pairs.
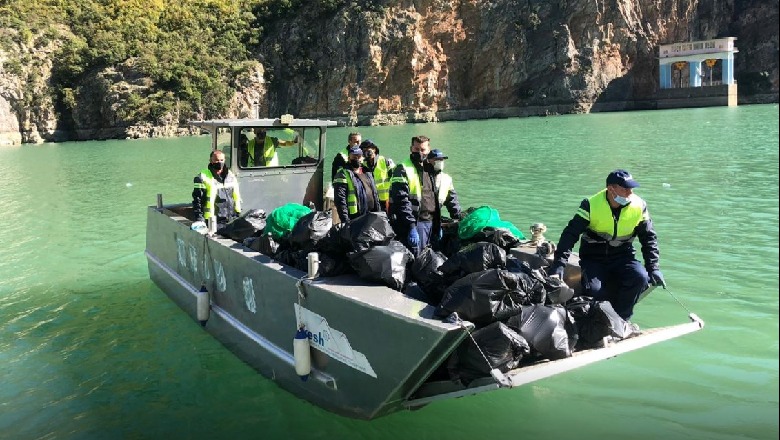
{"points": [[710, 96]]}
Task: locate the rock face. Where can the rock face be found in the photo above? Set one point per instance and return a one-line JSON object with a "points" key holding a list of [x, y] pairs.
{"points": [[420, 61], [437, 59]]}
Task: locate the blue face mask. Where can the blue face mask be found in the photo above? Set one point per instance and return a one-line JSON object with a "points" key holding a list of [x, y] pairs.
{"points": [[622, 201]]}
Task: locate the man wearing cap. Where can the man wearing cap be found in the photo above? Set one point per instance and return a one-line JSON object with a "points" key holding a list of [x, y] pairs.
{"points": [[354, 191], [380, 167], [444, 191], [353, 140], [608, 223]]}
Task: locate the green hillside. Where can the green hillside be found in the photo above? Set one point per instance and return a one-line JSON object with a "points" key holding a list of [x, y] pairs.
{"points": [[191, 50]]}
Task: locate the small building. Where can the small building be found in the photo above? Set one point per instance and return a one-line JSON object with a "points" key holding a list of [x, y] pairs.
{"points": [[697, 74]]}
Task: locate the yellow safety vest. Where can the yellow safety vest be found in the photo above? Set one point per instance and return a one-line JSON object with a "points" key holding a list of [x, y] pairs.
{"points": [[443, 186], [270, 158], [344, 176], [412, 179], [382, 179], [212, 187], [602, 225]]}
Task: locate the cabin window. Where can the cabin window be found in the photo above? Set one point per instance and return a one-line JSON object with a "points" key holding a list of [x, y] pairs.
{"points": [[261, 147], [223, 142]]}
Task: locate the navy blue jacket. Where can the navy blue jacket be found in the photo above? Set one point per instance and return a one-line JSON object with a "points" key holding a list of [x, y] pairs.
{"points": [[602, 251]]}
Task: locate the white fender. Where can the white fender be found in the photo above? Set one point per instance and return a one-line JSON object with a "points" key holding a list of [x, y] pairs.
{"points": [[302, 354], [203, 305]]}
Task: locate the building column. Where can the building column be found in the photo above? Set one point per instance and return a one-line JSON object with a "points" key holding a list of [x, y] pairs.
{"points": [[665, 75], [694, 70], [727, 68]]}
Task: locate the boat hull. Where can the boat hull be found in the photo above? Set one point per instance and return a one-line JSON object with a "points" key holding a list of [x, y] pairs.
{"points": [[371, 347]]}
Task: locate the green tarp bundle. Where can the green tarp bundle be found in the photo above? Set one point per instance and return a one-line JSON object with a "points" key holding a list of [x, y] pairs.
{"points": [[485, 217], [282, 219]]}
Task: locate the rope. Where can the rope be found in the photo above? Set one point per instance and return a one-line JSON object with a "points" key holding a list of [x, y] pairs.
{"points": [[206, 259], [301, 297], [497, 375], [679, 302]]}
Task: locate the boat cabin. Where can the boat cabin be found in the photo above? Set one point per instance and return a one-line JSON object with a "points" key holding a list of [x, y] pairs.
{"points": [[277, 161]]}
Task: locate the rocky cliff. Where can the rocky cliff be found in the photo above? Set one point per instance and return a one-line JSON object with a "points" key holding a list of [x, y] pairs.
{"points": [[391, 62], [434, 59]]}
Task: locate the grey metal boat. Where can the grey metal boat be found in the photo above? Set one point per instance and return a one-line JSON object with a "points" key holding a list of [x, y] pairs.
{"points": [[374, 351]]}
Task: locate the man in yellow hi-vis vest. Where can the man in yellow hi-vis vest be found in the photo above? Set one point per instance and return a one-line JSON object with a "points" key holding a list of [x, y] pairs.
{"points": [[608, 222], [261, 150], [215, 193], [413, 202], [381, 167], [354, 191]]}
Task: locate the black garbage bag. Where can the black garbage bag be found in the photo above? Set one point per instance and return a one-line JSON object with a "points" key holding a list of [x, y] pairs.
{"points": [[413, 290], [498, 236], [424, 271], [337, 241], [291, 257], [250, 224], [546, 289], [501, 345], [494, 294], [549, 329], [558, 292], [265, 244], [596, 320], [475, 257], [434, 287], [310, 229], [331, 266], [370, 229], [426, 264], [383, 263], [457, 298], [449, 243]]}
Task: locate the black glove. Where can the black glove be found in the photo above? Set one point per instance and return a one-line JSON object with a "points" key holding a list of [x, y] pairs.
{"points": [[555, 270], [657, 278]]}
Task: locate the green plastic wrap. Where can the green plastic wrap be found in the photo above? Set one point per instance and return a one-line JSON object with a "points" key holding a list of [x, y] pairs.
{"points": [[485, 217], [282, 219]]}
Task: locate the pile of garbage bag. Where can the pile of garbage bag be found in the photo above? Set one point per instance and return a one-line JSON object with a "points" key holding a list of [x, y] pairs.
{"points": [[520, 314], [365, 246]]}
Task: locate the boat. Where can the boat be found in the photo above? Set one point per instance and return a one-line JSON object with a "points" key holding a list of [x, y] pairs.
{"points": [[371, 350]]}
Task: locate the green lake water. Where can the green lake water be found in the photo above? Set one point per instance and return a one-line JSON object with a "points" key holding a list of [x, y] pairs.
{"points": [[90, 348]]}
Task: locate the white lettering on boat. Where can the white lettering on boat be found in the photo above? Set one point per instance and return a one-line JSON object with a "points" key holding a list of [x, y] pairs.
{"points": [[331, 341], [249, 295], [219, 273], [181, 252], [193, 259]]}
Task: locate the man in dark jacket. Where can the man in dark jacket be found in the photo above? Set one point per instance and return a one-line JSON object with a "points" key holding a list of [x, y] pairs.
{"points": [[354, 190], [446, 196], [353, 140], [608, 222], [415, 204]]}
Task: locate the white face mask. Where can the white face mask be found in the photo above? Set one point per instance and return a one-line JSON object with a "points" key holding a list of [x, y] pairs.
{"points": [[622, 201], [438, 165]]}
